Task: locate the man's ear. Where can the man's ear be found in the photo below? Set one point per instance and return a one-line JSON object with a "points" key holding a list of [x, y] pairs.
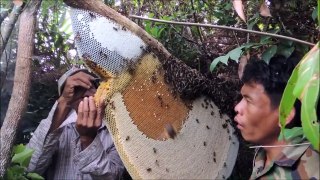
{"points": [[291, 115]]}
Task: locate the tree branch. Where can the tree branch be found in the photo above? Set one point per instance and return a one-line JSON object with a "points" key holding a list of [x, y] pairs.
{"points": [[22, 82], [7, 29], [224, 27]]}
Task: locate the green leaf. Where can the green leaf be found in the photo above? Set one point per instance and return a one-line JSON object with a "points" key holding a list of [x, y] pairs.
{"points": [[235, 54], [18, 148], [304, 84], [15, 172], [314, 14], [307, 90], [223, 59], [228, 6], [287, 100], [308, 113], [265, 39], [34, 176], [269, 53], [293, 132], [23, 157], [287, 42], [285, 50]]}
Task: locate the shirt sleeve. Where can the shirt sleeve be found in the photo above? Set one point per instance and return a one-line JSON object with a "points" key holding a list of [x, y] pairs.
{"points": [[43, 144], [100, 160]]}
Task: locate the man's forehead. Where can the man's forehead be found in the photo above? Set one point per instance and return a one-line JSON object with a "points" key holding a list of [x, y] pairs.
{"points": [[252, 88]]}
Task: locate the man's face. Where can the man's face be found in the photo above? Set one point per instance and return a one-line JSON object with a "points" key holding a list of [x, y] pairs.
{"points": [[257, 121], [81, 93]]}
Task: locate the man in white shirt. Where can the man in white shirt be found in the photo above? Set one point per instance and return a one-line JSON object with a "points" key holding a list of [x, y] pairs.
{"points": [[73, 142]]}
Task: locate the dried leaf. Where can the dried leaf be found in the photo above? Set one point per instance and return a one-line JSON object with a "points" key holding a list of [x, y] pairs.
{"points": [[18, 2], [238, 6], [242, 63], [264, 10]]}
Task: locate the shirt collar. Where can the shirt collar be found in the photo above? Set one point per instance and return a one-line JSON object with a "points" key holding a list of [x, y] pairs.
{"points": [[288, 157]]}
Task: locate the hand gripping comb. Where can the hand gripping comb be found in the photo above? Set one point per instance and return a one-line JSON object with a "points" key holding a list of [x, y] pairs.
{"points": [[158, 134]]}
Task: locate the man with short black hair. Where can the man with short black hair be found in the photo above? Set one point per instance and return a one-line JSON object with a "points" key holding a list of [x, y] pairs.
{"points": [[258, 120]]}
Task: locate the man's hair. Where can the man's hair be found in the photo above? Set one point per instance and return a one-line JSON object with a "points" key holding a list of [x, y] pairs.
{"points": [[273, 77]]}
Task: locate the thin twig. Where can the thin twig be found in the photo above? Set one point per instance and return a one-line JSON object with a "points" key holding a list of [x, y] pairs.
{"points": [[285, 145], [236, 38], [224, 27]]}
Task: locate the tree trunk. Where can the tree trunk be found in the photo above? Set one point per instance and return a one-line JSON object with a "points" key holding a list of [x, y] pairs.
{"points": [[8, 27], [22, 81]]}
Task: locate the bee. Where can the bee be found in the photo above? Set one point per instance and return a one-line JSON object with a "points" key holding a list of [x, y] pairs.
{"points": [[112, 105], [224, 164], [92, 16], [197, 121], [224, 125], [208, 127], [127, 138], [153, 78], [124, 28], [155, 150], [77, 37], [171, 131], [149, 169], [131, 67], [103, 54], [114, 28], [204, 143], [86, 56]]}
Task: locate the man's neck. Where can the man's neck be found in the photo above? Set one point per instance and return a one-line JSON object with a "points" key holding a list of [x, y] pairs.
{"points": [[273, 152]]}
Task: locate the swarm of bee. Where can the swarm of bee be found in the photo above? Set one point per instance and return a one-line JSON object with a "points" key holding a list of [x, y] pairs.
{"points": [[185, 81]]}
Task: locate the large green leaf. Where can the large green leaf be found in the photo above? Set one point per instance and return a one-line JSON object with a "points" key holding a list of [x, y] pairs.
{"points": [[304, 84], [308, 113], [287, 100], [309, 95]]}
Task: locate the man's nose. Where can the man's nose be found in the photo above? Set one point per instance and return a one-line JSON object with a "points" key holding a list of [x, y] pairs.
{"points": [[237, 108]]}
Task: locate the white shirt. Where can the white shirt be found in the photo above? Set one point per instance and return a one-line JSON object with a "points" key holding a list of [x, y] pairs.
{"points": [[58, 154]]}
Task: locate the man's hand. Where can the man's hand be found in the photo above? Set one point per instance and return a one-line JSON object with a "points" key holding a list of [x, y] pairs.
{"points": [[75, 88], [89, 120]]}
